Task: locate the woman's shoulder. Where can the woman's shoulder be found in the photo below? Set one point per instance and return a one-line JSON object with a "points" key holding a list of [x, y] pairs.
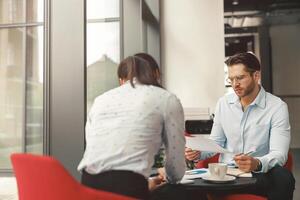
{"points": [[109, 94], [162, 92], [167, 96]]}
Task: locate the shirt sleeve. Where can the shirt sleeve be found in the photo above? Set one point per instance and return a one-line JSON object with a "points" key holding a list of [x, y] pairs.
{"points": [[174, 140], [279, 140], [88, 129], [217, 133]]}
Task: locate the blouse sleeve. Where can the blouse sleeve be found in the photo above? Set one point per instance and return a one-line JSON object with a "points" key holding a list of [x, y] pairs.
{"points": [[174, 140]]}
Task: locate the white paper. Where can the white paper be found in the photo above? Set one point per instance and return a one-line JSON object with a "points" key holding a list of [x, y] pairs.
{"points": [[200, 143], [186, 181], [237, 172]]}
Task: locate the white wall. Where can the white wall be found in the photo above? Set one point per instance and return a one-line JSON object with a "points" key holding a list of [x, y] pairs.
{"points": [[192, 51], [294, 113], [286, 70]]}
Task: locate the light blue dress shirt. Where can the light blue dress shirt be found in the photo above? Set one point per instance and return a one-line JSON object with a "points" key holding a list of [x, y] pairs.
{"points": [[263, 128]]}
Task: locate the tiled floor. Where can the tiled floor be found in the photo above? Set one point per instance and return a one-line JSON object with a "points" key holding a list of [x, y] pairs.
{"points": [[8, 187]]}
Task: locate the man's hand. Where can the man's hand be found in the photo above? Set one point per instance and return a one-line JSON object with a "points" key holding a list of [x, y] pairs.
{"points": [[191, 154], [246, 163]]}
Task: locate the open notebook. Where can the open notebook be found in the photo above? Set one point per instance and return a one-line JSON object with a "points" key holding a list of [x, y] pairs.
{"points": [[237, 172]]}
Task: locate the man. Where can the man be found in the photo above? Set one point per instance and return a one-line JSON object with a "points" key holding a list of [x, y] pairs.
{"points": [[253, 120]]}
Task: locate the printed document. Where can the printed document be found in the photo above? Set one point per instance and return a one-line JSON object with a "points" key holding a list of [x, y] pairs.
{"points": [[200, 143]]}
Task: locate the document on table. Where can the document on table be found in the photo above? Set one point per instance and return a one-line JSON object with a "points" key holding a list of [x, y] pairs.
{"points": [[190, 175], [237, 172], [195, 173], [200, 143]]}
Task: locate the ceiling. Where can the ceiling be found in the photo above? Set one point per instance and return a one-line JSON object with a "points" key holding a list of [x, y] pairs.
{"points": [[254, 13], [260, 5]]}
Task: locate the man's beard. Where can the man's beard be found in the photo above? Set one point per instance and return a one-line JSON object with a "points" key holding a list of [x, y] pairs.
{"points": [[246, 91]]}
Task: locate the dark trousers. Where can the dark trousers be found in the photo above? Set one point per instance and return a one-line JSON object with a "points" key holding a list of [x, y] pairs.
{"points": [[277, 184], [121, 182]]}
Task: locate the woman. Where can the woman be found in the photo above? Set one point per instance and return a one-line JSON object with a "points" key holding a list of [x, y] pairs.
{"points": [[152, 63], [126, 127]]}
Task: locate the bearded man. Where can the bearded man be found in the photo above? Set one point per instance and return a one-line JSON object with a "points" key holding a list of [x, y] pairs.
{"points": [[253, 120]]}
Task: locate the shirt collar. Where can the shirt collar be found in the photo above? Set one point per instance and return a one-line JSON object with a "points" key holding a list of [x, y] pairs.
{"points": [[233, 98], [260, 99]]}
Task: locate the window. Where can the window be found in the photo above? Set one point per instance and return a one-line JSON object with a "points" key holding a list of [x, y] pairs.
{"points": [[103, 47], [21, 78]]}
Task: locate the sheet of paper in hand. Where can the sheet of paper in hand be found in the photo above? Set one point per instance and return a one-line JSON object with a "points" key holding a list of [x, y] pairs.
{"points": [[200, 143]]}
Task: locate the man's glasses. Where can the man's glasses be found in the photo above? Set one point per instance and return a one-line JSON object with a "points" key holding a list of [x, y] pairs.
{"points": [[236, 79]]}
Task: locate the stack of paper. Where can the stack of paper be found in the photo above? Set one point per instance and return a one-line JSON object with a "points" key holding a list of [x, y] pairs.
{"points": [[196, 113], [237, 172], [186, 181]]}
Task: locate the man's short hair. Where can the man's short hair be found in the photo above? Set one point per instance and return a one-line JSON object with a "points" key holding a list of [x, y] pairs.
{"points": [[248, 59]]}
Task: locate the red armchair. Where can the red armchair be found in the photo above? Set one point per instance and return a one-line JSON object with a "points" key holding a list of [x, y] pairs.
{"points": [[43, 177], [204, 164]]}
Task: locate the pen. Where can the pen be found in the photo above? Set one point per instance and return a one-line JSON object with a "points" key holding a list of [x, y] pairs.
{"points": [[246, 154], [249, 152]]}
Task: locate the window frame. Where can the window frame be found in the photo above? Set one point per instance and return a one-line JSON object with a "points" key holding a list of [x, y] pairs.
{"points": [[45, 135]]}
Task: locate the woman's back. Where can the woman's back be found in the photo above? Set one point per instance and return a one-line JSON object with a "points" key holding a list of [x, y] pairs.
{"points": [[125, 128]]}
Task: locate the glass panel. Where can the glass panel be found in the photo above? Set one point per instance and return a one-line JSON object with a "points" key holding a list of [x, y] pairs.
{"points": [[103, 54], [35, 11], [21, 11], [11, 96], [98, 9], [34, 90]]}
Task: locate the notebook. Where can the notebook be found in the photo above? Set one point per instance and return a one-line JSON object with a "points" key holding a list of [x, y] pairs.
{"points": [[237, 172]]}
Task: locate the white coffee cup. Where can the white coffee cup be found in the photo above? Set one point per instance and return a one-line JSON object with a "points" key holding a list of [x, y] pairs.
{"points": [[217, 170]]}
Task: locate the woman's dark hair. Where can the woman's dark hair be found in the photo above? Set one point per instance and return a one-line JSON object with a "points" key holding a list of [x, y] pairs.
{"points": [[248, 59], [136, 67], [153, 64]]}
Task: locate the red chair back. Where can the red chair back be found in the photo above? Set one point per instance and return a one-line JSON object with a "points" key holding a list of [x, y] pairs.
{"points": [[290, 162], [204, 163], [43, 177]]}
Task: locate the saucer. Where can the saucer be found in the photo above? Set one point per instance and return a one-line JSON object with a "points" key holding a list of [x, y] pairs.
{"points": [[226, 179]]}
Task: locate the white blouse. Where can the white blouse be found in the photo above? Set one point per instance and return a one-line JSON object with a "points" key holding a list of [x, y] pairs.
{"points": [[126, 127]]}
